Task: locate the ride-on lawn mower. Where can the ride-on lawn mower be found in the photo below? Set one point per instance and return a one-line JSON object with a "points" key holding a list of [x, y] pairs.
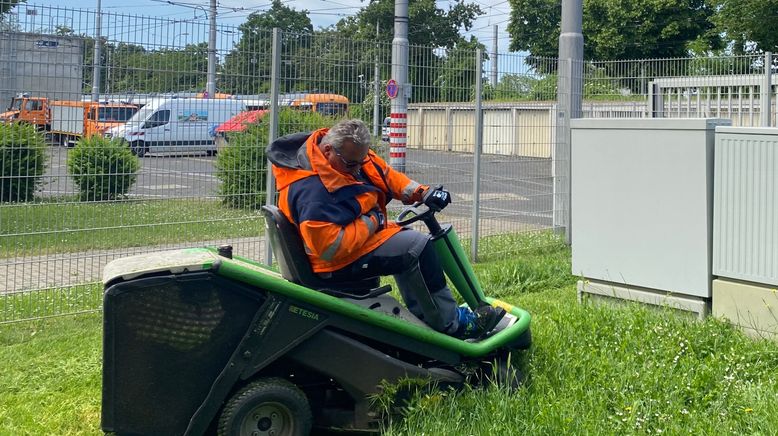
{"points": [[200, 341]]}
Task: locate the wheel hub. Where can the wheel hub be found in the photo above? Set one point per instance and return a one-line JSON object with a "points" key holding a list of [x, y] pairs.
{"points": [[268, 419]]}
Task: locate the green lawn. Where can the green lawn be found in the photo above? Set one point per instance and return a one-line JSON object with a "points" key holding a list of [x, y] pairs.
{"points": [[46, 228], [593, 369]]}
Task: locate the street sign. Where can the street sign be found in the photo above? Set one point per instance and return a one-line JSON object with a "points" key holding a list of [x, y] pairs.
{"points": [[392, 88]]}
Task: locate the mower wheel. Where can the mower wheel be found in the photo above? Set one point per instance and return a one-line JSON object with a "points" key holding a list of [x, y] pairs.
{"points": [[269, 406]]}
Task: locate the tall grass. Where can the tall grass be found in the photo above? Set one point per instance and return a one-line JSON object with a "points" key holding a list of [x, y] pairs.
{"points": [[592, 369]]}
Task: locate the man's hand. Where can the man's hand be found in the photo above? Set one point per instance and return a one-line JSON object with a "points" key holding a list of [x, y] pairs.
{"points": [[379, 217], [437, 198]]}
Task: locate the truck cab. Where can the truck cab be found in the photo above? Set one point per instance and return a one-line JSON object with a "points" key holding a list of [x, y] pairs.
{"points": [[105, 116], [31, 110]]}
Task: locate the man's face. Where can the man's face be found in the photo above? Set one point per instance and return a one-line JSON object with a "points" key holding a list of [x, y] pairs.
{"points": [[348, 160]]}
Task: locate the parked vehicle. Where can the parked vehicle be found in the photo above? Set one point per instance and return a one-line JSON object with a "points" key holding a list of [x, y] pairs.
{"points": [[325, 104], [176, 125], [26, 109], [72, 120], [238, 123]]}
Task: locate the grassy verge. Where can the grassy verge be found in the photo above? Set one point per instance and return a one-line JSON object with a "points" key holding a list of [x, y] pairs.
{"points": [[592, 369], [50, 302], [46, 228]]}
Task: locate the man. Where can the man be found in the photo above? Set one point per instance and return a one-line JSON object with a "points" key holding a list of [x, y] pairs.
{"points": [[335, 190]]}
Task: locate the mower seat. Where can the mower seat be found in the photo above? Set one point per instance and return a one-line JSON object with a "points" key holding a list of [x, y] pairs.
{"points": [[295, 267]]}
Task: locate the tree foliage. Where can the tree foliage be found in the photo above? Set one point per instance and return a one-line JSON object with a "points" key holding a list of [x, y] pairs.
{"points": [[749, 24], [133, 68], [7, 5], [434, 33], [248, 66], [616, 29]]}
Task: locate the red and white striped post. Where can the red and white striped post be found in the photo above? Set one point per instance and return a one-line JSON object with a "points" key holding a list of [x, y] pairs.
{"points": [[398, 134]]}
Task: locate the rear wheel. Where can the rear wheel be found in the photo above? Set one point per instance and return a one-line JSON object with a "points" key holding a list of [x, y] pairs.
{"points": [[138, 148], [270, 406]]}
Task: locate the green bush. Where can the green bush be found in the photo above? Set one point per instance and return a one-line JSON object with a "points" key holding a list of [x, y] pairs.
{"points": [[241, 166], [22, 161], [102, 169]]}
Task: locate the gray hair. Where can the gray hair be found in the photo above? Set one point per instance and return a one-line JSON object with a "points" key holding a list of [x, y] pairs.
{"points": [[353, 130]]}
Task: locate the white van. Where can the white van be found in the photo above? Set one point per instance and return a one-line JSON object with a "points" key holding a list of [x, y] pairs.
{"points": [[176, 125]]}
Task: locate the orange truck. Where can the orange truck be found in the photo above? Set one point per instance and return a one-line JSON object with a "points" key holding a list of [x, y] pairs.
{"points": [[26, 109], [72, 120]]}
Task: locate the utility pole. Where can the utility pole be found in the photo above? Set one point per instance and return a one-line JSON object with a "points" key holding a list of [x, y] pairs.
{"points": [[569, 95], [96, 60], [399, 126], [210, 85], [494, 57]]}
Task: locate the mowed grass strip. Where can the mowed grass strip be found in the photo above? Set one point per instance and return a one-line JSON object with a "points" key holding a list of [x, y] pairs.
{"points": [[49, 228], [593, 369]]}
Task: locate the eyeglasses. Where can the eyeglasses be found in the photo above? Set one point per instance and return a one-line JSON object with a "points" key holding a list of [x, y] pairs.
{"points": [[350, 164]]}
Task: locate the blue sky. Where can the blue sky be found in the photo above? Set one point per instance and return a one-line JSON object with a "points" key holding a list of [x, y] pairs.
{"points": [[322, 12]]}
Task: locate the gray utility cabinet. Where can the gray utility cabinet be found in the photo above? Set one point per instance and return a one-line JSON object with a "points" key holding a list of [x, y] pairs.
{"points": [[745, 218], [642, 209]]}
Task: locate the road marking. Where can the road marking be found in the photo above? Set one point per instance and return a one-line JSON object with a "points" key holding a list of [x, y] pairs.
{"points": [[156, 187], [487, 196]]}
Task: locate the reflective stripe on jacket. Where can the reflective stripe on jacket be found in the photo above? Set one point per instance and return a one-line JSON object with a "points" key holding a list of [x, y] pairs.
{"points": [[336, 214]]}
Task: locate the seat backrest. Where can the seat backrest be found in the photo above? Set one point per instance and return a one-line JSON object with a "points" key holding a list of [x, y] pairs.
{"points": [[288, 248], [294, 264]]}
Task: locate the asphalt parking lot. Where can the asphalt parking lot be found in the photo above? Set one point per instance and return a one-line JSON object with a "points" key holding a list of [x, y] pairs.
{"points": [[511, 187]]}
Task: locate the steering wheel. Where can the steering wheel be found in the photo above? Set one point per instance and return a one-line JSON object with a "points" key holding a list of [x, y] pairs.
{"points": [[418, 211]]}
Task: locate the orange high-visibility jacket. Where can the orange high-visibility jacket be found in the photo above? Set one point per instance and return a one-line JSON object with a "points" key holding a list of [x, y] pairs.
{"points": [[336, 214]]}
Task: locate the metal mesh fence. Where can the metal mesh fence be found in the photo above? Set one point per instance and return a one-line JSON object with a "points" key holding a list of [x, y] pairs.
{"points": [[142, 159], [731, 87]]}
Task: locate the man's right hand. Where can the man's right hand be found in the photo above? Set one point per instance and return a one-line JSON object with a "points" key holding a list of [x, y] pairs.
{"points": [[379, 217], [437, 198]]}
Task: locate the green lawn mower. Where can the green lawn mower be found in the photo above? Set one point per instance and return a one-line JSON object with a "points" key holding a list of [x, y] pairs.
{"points": [[198, 341]]}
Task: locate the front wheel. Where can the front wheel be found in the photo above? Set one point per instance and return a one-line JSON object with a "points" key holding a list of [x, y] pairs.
{"points": [[270, 406], [138, 148]]}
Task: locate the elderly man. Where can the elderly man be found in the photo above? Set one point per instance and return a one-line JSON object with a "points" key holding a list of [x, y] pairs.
{"points": [[335, 190]]}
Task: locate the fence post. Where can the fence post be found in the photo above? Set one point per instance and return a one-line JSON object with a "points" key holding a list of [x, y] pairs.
{"points": [[477, 146], [275, 79], [561, 148], [97, 55], [767, 89]]}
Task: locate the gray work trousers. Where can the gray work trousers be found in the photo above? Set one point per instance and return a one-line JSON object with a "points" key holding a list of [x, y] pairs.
{"points": [[411, 259]]}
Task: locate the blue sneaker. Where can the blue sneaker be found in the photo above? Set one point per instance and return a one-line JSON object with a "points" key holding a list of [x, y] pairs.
{"points": [[478, 323]]}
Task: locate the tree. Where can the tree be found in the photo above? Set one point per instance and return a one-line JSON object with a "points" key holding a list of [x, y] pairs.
{"points": [[458, 71], [430, 25], [7, 5], [7, 25], [133, 68], [431, 28], [247, 66], [616, 29], [749, 24]]}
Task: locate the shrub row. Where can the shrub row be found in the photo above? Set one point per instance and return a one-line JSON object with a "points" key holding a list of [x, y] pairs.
{"points": [[102, 169]]}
